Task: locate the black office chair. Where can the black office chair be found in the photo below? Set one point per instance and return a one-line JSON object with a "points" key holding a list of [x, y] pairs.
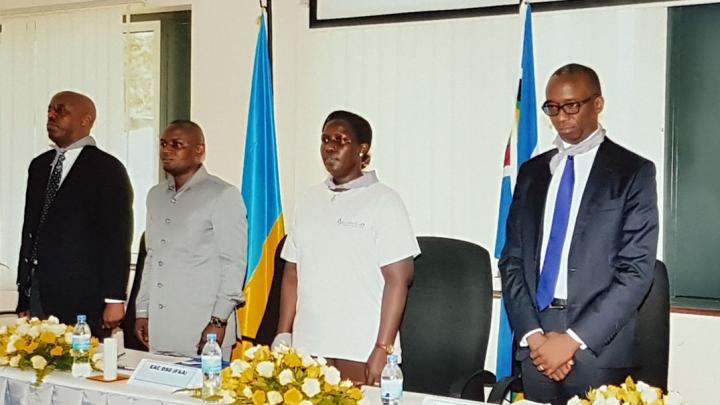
{"points": [[653, 332], [653, 340], [445, 330], [268, 326]]}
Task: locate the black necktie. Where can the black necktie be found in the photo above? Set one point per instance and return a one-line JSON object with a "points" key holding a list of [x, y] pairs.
{"points": [[50, 193]]}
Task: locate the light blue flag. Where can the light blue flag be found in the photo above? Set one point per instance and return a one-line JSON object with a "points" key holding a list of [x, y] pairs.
{"points": [[524, 135]]}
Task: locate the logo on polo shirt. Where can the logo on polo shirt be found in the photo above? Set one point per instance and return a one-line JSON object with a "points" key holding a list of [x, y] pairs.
{"points": [[350, 223]]}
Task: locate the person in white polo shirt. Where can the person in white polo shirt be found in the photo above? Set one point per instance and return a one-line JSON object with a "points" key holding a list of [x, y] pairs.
{"points": [[349, 257]]}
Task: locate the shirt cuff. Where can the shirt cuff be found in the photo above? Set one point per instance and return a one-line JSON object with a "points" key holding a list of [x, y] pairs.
{"points": [[113, 301], [524, 342], [576, 338]]}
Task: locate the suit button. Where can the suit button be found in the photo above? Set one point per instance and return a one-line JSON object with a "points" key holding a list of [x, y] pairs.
{"points": [[572, 270], [167, 220], [160, 285], [161, 306], [35, 262], [161, 263], [30, 235], [26, 260]]}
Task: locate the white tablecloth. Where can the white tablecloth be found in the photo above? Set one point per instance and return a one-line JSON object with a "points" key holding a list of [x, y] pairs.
{"points": [[60, 388]]}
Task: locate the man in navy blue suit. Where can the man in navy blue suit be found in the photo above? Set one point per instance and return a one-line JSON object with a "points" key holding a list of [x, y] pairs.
{"points": [[579, 257]]}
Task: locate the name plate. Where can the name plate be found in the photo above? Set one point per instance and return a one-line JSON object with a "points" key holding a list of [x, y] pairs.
{"points": [[165, 376]]}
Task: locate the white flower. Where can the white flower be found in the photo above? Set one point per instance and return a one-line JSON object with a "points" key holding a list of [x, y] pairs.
{"points": [[612, 401], [599, 400], [311, 387], [286, 377], [250, 353], [332, 375], [53, 320], [307, 360], [603, 388], [247, 391], [97, 357], [265, 368], [573, 401], [4, 360], [34, 331], [321, 361], [346, 384], [15, 361], [3, 329], [274, 397], [22, 329], [238, 366], [34, 319], [11, 344], [673, 398], [68, 338], [100, 365], [228, 397], [305, 402], [57, 329], [20, 321]]}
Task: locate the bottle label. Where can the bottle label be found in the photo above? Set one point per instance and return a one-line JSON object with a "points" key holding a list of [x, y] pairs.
{"points": [[80, 342], [211, 364], [391, 389]]}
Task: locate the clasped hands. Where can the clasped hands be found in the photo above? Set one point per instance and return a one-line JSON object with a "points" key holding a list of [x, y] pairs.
{"points": [[552, 353]]}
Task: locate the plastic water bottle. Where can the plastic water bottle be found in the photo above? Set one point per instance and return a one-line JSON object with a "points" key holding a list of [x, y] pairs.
{"points": [[81, 348], [391, 382], [211, 359]]}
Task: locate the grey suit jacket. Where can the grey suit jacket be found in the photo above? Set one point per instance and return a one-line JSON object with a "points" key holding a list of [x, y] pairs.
{"points": [[612, 252], [196, 242]]}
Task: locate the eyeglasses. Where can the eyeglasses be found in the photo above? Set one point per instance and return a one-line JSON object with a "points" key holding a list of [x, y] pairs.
{"points": [[573, 107]]}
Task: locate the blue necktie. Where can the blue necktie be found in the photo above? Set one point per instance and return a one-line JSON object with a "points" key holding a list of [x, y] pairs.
{"points": [[561, 215]]}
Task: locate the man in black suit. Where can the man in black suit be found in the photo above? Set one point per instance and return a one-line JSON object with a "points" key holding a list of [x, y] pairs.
{"points": [[579, 257], [75, 252]]}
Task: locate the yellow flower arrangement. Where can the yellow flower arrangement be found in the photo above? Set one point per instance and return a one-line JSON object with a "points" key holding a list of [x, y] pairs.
{"points": [[628, 393], [285, 376], [43, 346]]}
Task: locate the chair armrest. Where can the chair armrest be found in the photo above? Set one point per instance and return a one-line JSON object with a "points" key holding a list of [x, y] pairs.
{"points": [[503, 387], [473, 387]]}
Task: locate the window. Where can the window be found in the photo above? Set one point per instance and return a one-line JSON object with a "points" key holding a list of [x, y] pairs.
{"points": [[142, 101]]}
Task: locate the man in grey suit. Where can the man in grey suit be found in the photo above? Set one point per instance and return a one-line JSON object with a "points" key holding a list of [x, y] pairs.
{"points": [[579, 257], [196, 239]]}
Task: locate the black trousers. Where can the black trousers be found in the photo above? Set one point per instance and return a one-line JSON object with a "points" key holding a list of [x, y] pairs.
{"points": [[586, 373]]}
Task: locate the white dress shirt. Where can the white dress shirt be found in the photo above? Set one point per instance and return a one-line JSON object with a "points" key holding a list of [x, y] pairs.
{"points": [[582, 166]]}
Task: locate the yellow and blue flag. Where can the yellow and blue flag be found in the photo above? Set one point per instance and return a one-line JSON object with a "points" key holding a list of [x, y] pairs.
{"points": [[261, 191], [524, 137]]}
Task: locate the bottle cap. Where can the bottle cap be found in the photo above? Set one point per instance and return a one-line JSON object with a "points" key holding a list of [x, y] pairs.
{"points": [[81, 318], [393, 358], [211, 337]]}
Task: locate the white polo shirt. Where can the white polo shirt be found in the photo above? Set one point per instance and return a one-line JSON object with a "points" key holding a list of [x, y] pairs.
{"points": [[339, 241]]}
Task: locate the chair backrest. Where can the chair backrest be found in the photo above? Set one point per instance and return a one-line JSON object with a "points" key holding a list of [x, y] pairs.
{"points": [[268, 326], [445, 330], [653, 332]]}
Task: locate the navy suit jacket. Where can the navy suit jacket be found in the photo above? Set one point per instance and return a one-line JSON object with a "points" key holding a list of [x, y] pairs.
{"points": [[611, 257], [84, 244]]}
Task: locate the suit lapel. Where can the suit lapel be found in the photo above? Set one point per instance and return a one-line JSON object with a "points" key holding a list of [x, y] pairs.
{"points": [[72, 175], [537, 212], [598, 181]]}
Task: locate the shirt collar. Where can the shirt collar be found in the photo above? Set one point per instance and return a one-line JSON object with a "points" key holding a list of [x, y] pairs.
{"points": [[367, 179], [198, 176]]}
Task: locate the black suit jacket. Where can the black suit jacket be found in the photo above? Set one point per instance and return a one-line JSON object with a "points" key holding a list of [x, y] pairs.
{"points": [[611, 257], [84, 244]]}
